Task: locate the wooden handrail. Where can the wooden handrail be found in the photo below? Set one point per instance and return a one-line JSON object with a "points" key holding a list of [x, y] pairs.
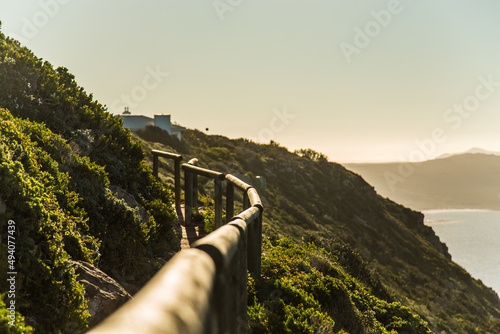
{"points": [[168, 155], [201, 290], [237, 182], [228, 248], [253, 217], [203, 171], [254, 198]]}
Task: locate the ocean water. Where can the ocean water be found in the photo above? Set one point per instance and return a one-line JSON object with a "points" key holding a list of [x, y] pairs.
{"points": [[473, 240]]}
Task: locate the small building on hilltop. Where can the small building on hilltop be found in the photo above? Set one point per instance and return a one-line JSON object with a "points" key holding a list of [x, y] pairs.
{"points": [[140, 122]]}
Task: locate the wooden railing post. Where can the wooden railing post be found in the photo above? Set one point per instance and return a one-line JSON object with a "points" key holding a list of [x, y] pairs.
{"points": [[194, 176], [218, 202], [177, 183], [155, 165], [188, 194], [177, 172], [258, 250], [252, 217], [238, 274], [229, 201], [195, 192], [246, 201], [252, 256], [227, 247], [256, 202]]}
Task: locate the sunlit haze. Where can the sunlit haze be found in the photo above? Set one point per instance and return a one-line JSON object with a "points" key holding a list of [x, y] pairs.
{"points": [[358, 81]]}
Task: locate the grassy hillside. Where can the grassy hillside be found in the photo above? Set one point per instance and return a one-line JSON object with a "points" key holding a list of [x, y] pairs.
{"points": [[457, 182], [308, 198], [65, 165]]}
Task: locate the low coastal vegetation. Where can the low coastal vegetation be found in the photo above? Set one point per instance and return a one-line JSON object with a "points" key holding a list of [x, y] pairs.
{"points": [[304, 289]]}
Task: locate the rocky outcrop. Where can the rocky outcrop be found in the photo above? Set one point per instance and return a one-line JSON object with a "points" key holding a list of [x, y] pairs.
{"points": [[103, 294], [415, 220], [130, 201]]}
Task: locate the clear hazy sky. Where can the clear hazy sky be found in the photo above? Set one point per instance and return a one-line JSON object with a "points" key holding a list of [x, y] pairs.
{"points": [[357, 80]]}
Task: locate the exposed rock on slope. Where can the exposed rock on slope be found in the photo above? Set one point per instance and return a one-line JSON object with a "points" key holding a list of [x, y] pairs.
{"points": [[103, 294]]}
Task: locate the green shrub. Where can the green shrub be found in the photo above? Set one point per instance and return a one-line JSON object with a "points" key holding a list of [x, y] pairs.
{"points": [[10, 326], [304, 289], [32, 186]]}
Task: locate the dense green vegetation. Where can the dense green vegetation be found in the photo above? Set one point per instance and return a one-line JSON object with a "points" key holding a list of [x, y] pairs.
{"points": [[67, 172], [305, 196], [303, 289]]}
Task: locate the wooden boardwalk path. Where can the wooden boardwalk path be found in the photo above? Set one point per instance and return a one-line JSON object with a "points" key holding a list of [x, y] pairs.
{"points": [[190, 233]]}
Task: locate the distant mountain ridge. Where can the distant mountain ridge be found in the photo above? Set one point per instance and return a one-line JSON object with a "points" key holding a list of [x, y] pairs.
{"points": [[473, 150], [463, 181]]}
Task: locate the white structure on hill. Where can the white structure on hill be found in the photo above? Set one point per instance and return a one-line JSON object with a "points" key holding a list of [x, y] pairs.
{"points": [[138, 122]]}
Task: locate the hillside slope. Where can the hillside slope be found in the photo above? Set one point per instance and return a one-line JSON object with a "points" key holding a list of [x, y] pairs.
{"points": [[68, 170], [309, 198], [465, 181]]}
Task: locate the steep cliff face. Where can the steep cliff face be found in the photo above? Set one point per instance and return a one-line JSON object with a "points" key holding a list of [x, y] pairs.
{"points": [[308, 197]]}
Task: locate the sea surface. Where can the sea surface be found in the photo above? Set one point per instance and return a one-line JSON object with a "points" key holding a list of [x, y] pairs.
{"points": [[473, 240]]}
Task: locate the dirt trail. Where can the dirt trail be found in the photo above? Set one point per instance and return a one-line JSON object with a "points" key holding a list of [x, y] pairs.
{"points": [[190, 233]]}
